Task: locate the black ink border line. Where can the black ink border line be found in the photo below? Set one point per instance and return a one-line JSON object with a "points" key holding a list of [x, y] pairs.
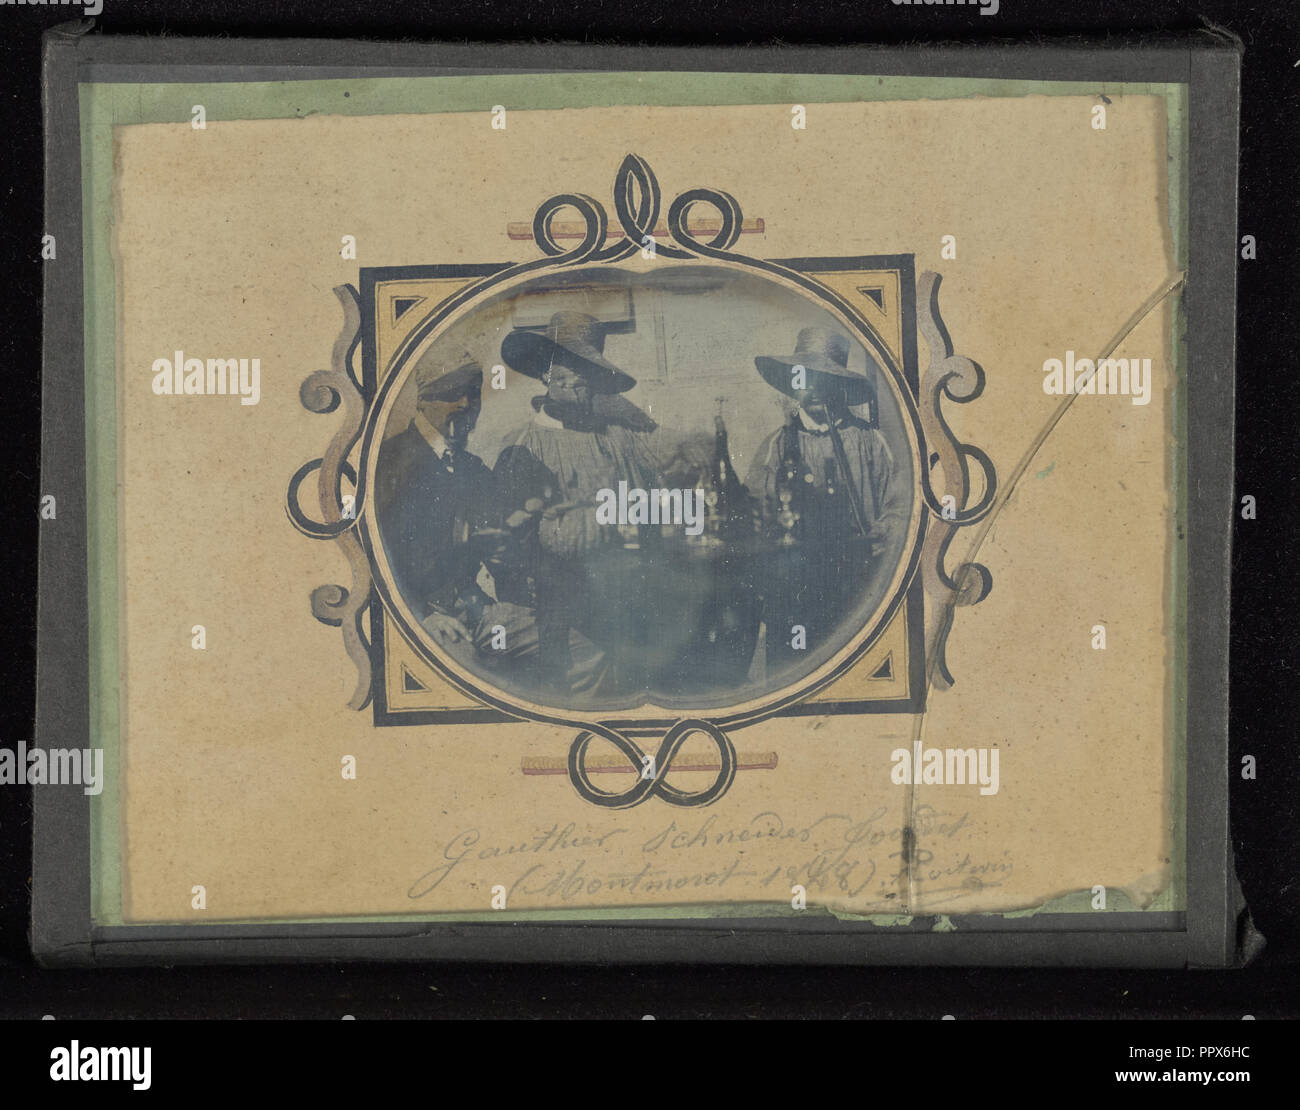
{"points": [[912, 605]]}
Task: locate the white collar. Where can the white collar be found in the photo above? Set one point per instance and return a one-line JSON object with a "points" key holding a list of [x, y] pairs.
{"points": [[430, 434], [812, 425]]}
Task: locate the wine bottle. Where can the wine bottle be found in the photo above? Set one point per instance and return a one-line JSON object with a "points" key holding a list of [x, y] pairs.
{"points": [[789, 488], [732, 507]]}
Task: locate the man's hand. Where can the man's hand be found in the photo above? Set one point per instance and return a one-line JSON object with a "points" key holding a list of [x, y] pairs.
{"points": [[444, 628], [531, 511]]}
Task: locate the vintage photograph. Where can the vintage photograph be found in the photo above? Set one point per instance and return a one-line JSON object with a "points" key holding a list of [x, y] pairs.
{"points": [[688, 485]]}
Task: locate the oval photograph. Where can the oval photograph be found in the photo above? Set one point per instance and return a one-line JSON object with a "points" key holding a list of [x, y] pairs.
{"points": [[690, 488]]}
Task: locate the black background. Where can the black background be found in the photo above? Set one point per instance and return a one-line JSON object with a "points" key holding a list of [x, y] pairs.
{"points": [[1264, 682]]}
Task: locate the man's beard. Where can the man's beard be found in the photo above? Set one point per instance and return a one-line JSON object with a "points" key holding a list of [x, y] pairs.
{"points": [[825, 412], [572, 414]]}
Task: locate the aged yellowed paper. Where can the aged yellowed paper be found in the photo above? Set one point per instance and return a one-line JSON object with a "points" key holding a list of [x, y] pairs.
{"points": [[764, 508]]}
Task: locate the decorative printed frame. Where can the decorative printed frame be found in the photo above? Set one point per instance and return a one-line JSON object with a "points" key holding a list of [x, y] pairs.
{"points": [[637, 203]]}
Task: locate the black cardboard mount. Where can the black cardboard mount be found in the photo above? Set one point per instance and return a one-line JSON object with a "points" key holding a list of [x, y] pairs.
{"points": [[1215, 929]]}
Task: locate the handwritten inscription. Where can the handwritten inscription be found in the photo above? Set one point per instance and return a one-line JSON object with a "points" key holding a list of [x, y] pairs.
{"points": [[466, 847], [835, 856]]}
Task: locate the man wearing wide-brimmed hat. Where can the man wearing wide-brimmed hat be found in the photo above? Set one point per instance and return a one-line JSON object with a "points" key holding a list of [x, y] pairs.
{"points": [[433, 496], [551, 470], [851, 507]]}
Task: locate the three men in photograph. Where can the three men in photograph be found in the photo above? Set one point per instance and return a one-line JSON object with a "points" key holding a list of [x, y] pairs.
{"points": [[575, 611]]}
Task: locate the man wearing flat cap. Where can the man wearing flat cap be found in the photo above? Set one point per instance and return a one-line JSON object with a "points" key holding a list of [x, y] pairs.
{"points": [[549, 474], [433, 496], [852, 510]]}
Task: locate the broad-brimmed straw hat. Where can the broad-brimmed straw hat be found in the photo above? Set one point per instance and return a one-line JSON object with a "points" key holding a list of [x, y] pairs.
{"points": [[572, 338], [820, 351]]}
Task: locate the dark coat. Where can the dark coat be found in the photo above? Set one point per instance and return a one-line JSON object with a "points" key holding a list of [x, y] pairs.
{"points": [[427, 511], [833, 569], [882, 498]]}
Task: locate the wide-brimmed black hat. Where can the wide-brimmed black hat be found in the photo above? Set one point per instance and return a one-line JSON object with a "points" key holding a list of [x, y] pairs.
{"points": [[572, 338], [820, 351]]}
